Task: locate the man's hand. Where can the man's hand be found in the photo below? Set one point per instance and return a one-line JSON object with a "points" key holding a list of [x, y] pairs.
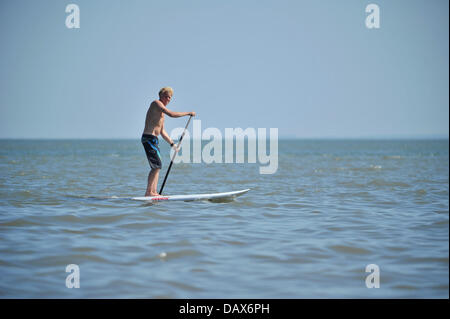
{"points": [[176, 148], [192, 113]]}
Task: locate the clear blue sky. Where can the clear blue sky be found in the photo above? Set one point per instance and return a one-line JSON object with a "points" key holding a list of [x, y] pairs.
{"points": [[310, 68]]}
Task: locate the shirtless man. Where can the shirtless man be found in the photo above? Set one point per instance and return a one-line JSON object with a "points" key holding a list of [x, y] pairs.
{"points": [[154, 125]]}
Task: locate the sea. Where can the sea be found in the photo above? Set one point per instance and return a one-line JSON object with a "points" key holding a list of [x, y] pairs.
{"points": [[338, 219]]}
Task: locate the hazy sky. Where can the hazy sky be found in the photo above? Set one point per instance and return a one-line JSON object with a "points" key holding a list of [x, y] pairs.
{"points": [[309, 68]]}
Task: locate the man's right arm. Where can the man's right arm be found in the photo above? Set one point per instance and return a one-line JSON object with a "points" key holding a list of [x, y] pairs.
{"points": [[170, 113]]}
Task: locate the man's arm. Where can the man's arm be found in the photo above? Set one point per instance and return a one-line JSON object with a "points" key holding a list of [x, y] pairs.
{"points": [[166, 136], [168, 139], [170, 113]]}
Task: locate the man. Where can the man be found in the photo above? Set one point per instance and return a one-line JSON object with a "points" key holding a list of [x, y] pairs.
{"points": [[154, 125]]}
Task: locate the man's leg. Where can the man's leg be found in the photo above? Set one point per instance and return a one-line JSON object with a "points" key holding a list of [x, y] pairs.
{"points": [[152, 183], [155, 182], [149, 183]]}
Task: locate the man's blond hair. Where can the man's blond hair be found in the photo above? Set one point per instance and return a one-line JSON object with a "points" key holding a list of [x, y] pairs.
{"points": [[165, 90]]}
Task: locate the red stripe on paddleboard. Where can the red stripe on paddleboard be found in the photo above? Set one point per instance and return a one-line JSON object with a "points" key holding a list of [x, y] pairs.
{"points": [[160, 198]]}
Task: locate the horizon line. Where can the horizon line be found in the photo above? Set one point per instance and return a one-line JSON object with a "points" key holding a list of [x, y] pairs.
{"points": [[422, 137]]}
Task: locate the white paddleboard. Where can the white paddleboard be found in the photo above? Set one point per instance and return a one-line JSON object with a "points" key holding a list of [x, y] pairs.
{"points": [[192, 197]]}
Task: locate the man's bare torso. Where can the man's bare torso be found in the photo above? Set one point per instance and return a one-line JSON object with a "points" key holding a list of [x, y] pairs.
{"points": [[154, 121]]}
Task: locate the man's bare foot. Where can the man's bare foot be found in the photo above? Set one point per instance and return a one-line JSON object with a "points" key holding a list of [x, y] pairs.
{"points": [[151, 194]]}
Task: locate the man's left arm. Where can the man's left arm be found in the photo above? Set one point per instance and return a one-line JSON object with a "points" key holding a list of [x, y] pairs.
{"points": [[166, 137]]}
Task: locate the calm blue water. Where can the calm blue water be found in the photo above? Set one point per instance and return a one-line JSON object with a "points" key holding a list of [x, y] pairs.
{"points": [[310, 230]]}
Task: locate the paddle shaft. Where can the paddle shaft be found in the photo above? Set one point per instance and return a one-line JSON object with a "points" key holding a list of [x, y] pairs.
{"points": [[174, 154]]}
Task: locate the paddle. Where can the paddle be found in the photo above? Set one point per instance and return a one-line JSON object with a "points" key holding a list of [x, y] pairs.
{"points": [[174, 154]]}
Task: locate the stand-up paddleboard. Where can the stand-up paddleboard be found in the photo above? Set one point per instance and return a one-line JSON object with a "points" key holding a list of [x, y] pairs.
{"points": [[216, 196]]}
